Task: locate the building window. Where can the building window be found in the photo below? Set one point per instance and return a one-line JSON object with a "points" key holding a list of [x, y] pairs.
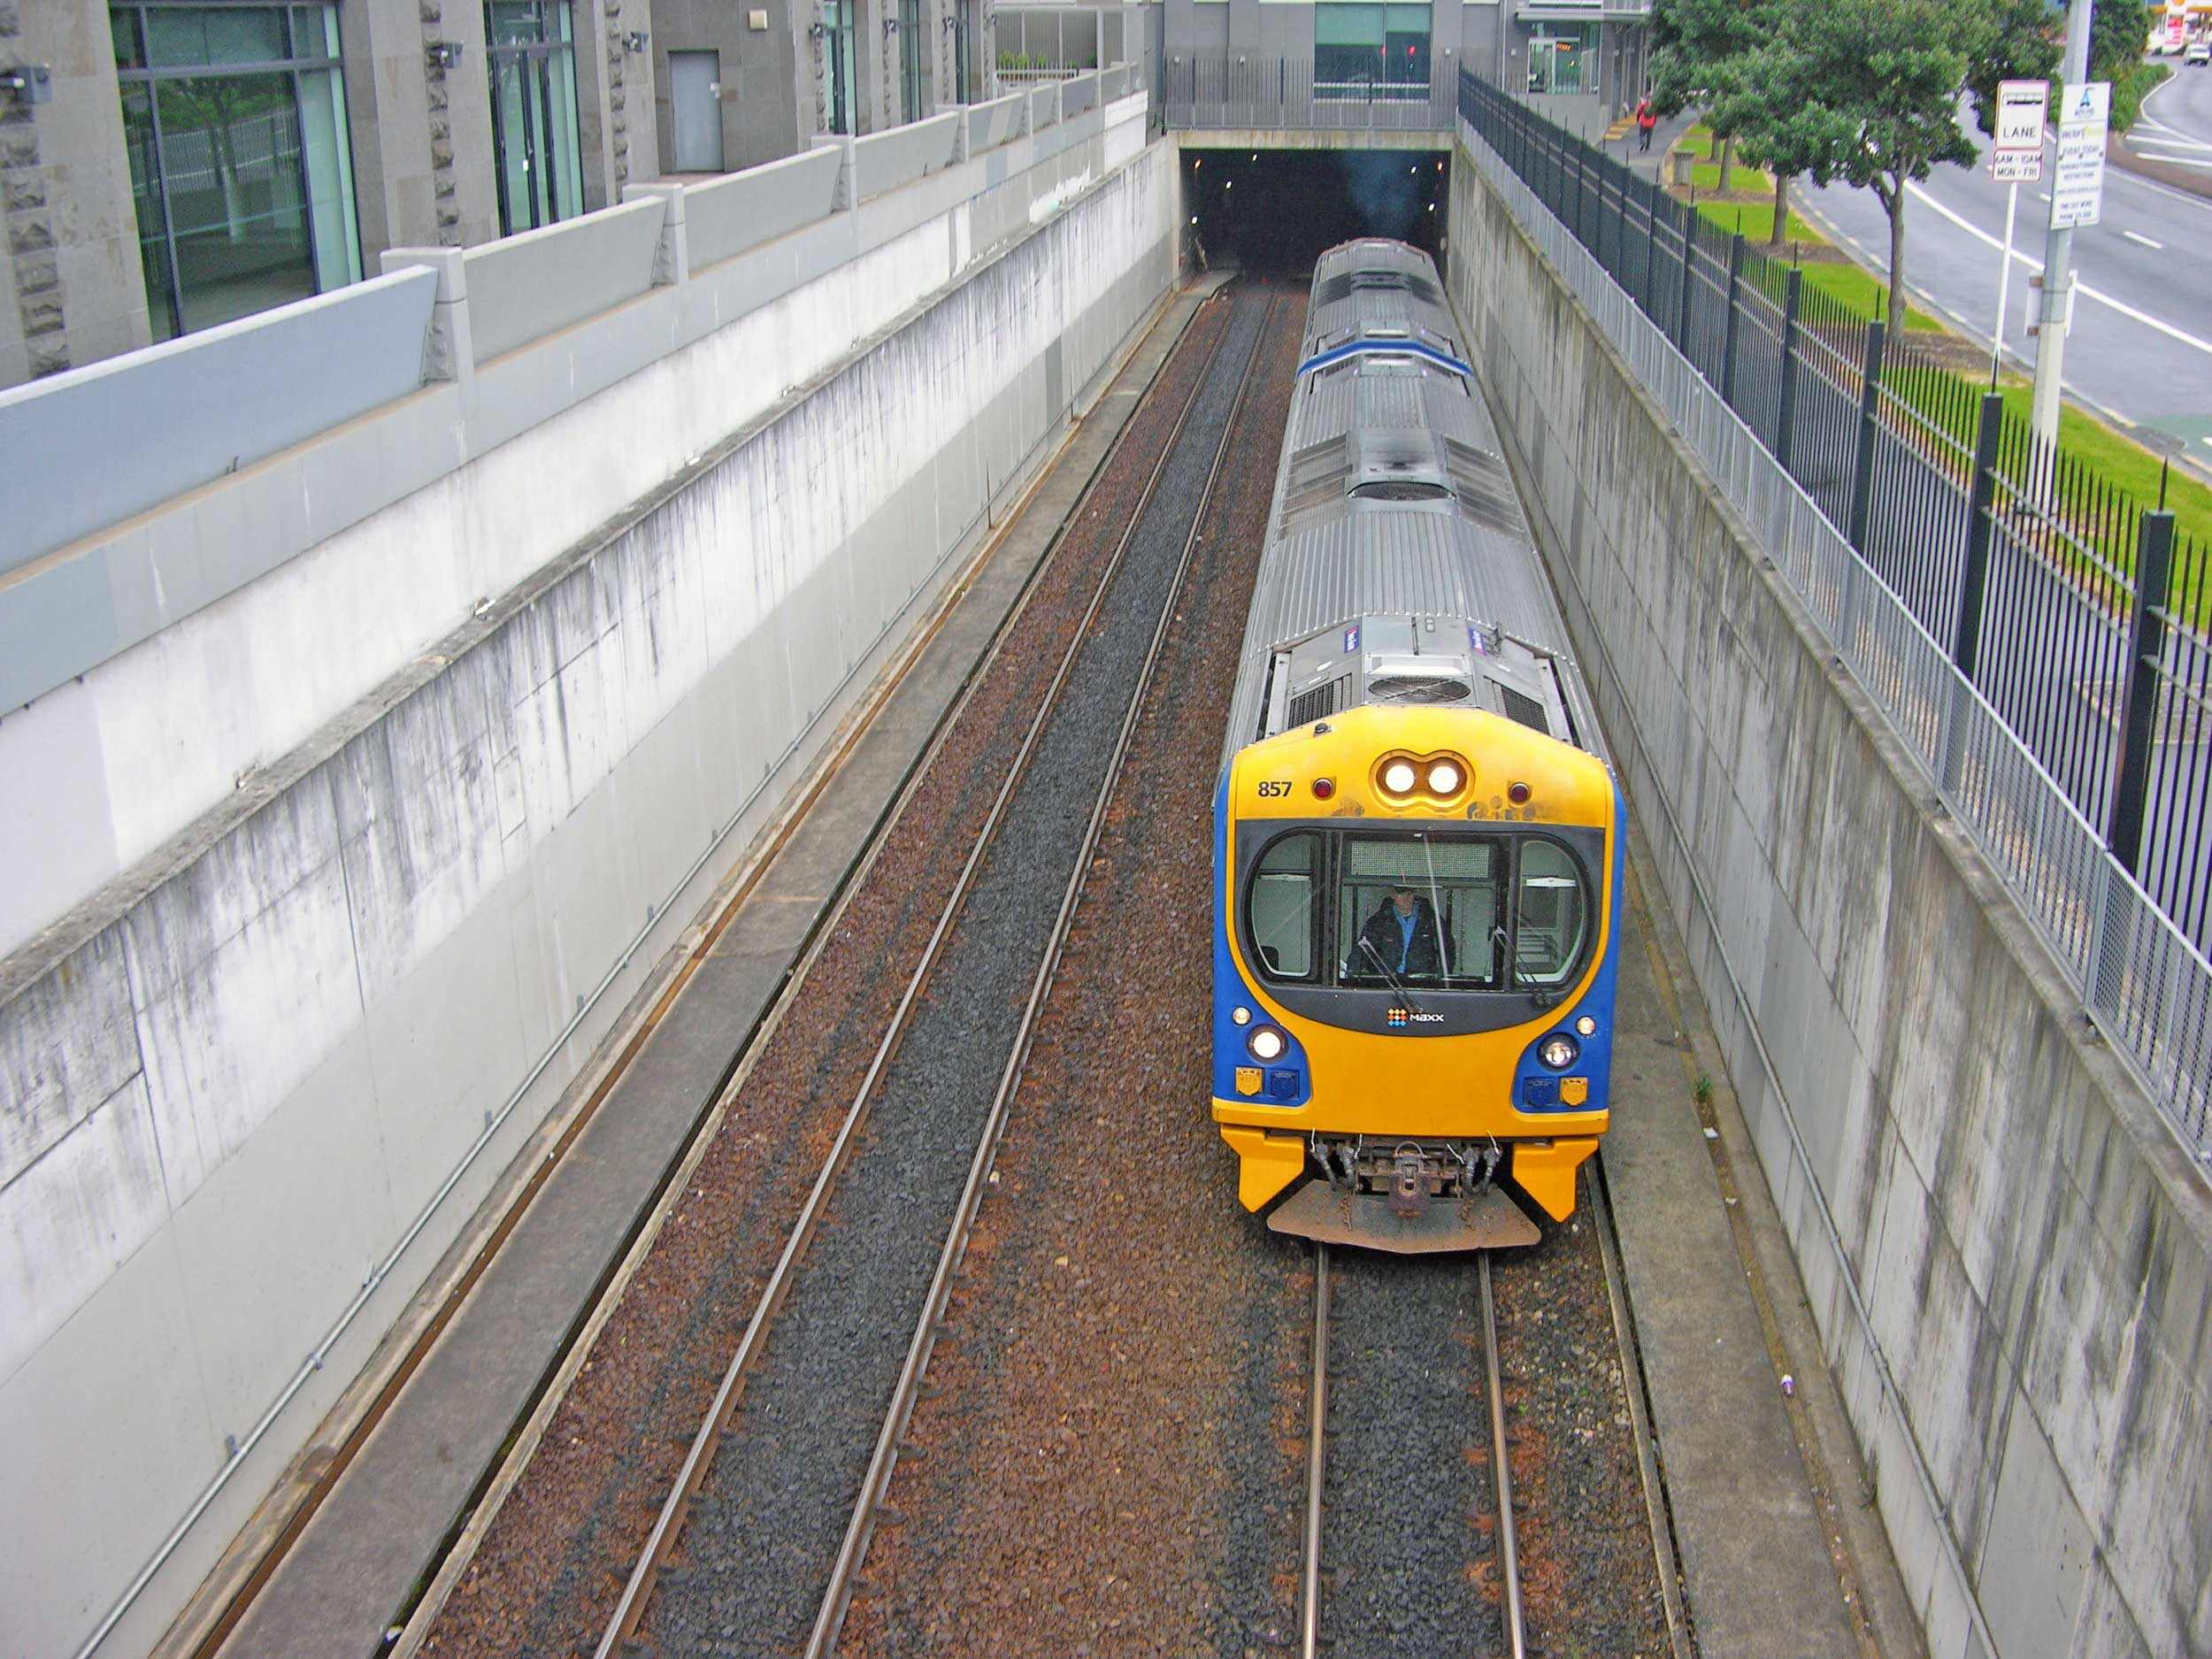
{"points": [[910, 59], [242, 173], [837, 43], [1562, 57], [1368, 50], [536, 152]]}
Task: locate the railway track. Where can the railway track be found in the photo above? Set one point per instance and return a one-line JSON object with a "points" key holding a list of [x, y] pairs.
{"points": [[1421, 1554], [738, 1549]]}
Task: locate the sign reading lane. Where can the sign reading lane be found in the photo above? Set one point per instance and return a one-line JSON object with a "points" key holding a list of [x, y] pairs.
{"points": [[2077, 184], [2020, 116]]}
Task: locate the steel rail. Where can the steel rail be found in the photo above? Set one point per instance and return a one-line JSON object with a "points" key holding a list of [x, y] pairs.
{"points": [[1501, 1469], [1309, 1587], [630, 1609], [233, 1605], [875, 1486], [1639, 1412]]}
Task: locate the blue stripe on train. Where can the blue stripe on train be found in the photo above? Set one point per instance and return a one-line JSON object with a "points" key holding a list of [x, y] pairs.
{"points": [[1397, 347]]}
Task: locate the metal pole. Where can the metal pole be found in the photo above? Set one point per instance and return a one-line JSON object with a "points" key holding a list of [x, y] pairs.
{"points": [[1688, 216], [2004, 285], [1862, 464], [2058, 255], [1966, 633], [1728, 340], [1786, 414], [2146, 644]]}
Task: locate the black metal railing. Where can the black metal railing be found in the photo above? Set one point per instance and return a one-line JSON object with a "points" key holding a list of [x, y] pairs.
{"points": [[2079, 614], [1214, 87]]}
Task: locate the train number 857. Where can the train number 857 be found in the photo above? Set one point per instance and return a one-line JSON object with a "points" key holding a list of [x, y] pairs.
{"points": [[1274, 788]]}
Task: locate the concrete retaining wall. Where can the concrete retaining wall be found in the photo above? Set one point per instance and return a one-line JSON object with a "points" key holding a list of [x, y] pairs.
{"points": [[148, 666], [2009, 1257], [228, 1101]]}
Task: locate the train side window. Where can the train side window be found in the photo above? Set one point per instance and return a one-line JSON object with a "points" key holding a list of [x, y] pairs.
{"points": [[1555, 914], [1279, 907]]}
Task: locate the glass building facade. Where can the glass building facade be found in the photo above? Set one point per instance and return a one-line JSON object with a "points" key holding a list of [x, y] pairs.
{"points": [[242, 172], [1368, 50], [537, 153]]}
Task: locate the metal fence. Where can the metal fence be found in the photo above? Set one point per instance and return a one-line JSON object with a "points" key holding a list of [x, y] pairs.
{"points": [[2037, 640], [1218, 89]]}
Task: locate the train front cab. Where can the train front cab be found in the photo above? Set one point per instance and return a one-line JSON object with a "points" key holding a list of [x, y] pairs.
{"points": [[1404, 1091]]}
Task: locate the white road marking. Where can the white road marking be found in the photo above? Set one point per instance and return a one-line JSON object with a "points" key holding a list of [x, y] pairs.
{"points": [[2081, 287], [2042, 195], [2145, 240]]}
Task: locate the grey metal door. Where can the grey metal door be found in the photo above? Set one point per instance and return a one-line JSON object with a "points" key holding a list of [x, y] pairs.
{"points": [[694, 92]]}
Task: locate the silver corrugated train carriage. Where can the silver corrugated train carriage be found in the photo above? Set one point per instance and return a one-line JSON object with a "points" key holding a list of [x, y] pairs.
{"points": [[1417, 840]]}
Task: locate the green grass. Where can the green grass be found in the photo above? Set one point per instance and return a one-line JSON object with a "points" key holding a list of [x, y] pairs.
{"points": [[1859, 288], [1755, 220], [2103, 453], [2100, 451]]}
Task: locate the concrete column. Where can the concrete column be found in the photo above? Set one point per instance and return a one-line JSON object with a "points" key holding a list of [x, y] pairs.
{"points": [[71, 288], [388, 114], [449, 350], [671, 262]]}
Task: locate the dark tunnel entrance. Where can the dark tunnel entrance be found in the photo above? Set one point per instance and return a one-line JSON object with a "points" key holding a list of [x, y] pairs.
{"points": [[1277, 210]]}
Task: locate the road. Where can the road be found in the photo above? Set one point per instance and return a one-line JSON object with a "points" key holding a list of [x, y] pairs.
{"points": [[2177, 122], [2141, 345]]}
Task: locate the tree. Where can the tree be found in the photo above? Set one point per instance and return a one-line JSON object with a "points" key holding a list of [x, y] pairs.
{"points": [[1869, 91], [1696, 45], [2010, 40]]}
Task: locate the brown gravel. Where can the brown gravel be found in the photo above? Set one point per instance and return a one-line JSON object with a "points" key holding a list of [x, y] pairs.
{"points": [[545, 1578], [1115, 1432]]}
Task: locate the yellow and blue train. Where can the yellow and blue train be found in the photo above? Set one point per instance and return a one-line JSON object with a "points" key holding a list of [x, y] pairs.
{"points": [[1418, 841]]}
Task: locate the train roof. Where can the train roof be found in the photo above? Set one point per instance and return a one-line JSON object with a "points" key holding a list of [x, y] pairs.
{"points": [[1398, 565], [1378, 292]]}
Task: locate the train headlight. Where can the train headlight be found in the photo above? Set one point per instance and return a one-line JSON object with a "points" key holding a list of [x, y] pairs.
{"points": [[1398, 777], [1558, 1051], [1445, 778], [1587, 1027], [1266, 1043]]}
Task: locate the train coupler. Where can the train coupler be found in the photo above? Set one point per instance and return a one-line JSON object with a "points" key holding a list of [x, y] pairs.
{"points": [[1410, 1199]]}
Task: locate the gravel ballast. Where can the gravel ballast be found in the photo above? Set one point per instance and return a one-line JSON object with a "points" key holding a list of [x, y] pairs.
{"points": [[546, 1575]]}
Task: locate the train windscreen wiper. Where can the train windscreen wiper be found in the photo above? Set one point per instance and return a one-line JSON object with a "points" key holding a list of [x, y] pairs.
{"points": [[1396, 984]]}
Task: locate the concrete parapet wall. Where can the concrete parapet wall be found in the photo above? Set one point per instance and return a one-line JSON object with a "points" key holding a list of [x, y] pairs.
{"points": [[993, 123], [2008, 1254], [526, 287], [727, 216], [884, 161], [110, 441], [147, 668], [265, 1077]]}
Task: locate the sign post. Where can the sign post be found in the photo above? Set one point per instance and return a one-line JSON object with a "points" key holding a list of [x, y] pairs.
{"points": [[2079, 182], [2015, 157]]}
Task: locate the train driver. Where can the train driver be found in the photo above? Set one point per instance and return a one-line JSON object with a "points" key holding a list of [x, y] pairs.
{"points": [[1402, 938]]}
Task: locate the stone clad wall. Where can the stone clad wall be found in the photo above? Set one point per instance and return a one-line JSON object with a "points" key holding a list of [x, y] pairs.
{"points": [[2009, 1254]]}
